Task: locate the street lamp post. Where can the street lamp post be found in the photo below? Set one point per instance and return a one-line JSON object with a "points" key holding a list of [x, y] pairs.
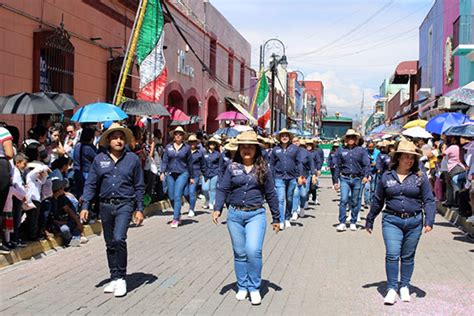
{"points": [[302, 84], [276, 60]]}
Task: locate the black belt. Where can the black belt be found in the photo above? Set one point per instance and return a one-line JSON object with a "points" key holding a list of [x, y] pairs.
{"points": [[115, 201], [351, 175], [247, 208], [402, 214]]}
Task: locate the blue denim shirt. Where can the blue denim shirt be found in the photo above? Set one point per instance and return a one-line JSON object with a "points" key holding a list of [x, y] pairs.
{"points": [[320, 152], [373, 159], [383, 162], [332, 159], [212, 164], [88, 154], [177, 161], [286, 163], [199, 164], [307, 162], [122, 179], [241, 189], [224, 161], [317, 161], [410, 196], [352, 161]]}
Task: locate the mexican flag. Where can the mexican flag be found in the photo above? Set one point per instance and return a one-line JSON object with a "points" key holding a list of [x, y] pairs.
{"points": [[150, 56], [263, 107]]}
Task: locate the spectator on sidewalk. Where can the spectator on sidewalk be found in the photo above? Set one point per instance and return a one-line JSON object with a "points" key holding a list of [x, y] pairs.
{"points": [[6, 153], [405, 192], [454, 156], [247, 183], [84, 154], [18, 180], [116, 177]]}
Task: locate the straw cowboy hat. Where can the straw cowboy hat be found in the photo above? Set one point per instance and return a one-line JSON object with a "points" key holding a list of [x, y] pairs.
{"points": [[351, 132], [247, 138], [309, 141], [336, 144], [114, 128], [303, 142], [214, 140], [192, 138], [231, 145], [179, 129], [406, 146], [284, 131]]}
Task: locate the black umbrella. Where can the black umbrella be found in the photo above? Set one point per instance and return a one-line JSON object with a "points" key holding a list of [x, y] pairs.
{"points": [[28, 104], [64, 100], [138, 107]]}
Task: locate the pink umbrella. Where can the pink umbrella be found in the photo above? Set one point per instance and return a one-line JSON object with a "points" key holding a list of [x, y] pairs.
{"points": [[175, 114], [231, 116]]}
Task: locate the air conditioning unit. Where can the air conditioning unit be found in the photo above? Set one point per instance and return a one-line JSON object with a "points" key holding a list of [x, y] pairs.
{"points": [[425, 93], [444, 103]]}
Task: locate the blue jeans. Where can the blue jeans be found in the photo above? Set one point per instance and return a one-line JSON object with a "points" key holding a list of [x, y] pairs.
{"points": [[247, 231], [285, 190], [68, 231], [209, 188], [115, 221], [401, 237], [176, 183], [369, 189], [301, 195], [190, 191], [350, 188]]}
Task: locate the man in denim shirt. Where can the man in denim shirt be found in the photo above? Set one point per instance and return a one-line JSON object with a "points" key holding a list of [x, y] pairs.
{"points": [[117, 178], [352, 169]]}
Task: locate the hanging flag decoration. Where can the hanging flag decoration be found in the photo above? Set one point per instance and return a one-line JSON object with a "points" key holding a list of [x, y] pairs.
{"points": [[263, 106], [150, 55]]}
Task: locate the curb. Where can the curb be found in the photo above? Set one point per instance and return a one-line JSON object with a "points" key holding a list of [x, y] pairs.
{"points": [[454, 218]]}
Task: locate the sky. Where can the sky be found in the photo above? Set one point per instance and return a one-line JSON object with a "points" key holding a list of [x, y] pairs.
{"points": [[350, 45]]}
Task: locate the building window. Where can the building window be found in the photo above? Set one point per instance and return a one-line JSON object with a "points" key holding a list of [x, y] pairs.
{"points": [[230, 69], [212, 57], [53, 61], [114, 66], [242, 76], [456, 30]]}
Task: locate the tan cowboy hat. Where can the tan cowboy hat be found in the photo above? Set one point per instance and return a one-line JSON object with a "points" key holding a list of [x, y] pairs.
{"points": [[192, 138], [113, 128], [309, 141], [214, 140], [302, 142], [337, 144], [285, 131], [247, 138], [231, 145], [406, 146], [351, 132], [179, 129]]}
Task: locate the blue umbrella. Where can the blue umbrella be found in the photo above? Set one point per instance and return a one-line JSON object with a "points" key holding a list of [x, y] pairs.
{"points": [[377, 129], [464, 130], [99, 112], [229, 131], [440, 123]]}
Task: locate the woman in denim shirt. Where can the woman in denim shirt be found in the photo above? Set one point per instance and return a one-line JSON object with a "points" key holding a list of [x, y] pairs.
{"points": [[177, 169], [211, 159], [406, 193], [246, 184]]}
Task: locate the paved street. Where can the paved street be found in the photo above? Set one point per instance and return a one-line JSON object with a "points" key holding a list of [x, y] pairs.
{"points": [[309, 269]]}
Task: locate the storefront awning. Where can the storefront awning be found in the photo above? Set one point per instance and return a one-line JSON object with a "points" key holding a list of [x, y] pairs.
{"points": [[407, 68], [242, 110]]}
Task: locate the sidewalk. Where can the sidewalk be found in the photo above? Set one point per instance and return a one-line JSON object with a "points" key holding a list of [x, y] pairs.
{"points": [[308, 269]]}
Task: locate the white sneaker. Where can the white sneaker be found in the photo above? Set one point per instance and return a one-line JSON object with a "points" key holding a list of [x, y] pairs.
{"points": [[317, 202], [390, 298], [211, 206], [84, 240], [255, 298], [205, 206], [405, 294], [120, 288], [110, 288], [301, 212], [306, 205], [241, 295], [287, 224], [282, 226], [191, 213], [341, 227], [294, 216], [75, 242], [353, 227]]}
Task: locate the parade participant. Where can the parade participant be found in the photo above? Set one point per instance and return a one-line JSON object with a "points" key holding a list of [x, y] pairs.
{"points": [[199, 168], [369, 187], [211, 159], [320, 152], [116, 177], [286, 167], [382, 163], [332, 160], [352, 169], [405, 192], [318, 164], [230, 148], [177, 169], [246, 185], [302, 190]]}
